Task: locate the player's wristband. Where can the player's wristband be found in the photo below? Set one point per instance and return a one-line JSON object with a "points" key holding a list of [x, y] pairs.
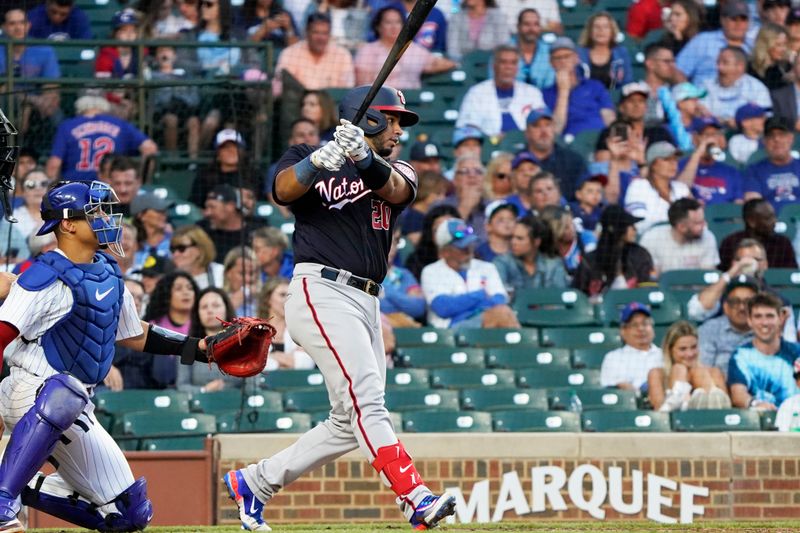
{"points": [[161, 341], [305, 172], [377, 173]]}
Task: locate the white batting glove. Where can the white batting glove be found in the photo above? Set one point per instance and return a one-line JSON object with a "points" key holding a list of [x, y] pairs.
{"points": [[351, 138], [330, 157]]}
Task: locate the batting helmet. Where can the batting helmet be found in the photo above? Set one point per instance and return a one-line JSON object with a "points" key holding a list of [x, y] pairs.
{"points": [[388, 100], [90, 200]]}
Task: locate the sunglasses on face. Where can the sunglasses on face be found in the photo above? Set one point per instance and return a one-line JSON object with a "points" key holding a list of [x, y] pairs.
{"points": [[501, 175], [208, 3], [35, 184], [180, 248]]}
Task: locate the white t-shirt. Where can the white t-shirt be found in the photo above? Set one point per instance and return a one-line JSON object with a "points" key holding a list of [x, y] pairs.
{"points": [[642, 200], [629, 365], [670, 255], [439, 279]]}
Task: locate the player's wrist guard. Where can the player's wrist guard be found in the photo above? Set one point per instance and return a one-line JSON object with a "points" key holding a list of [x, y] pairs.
{"points": [[376, 173], [161, 341], [306, 172]]}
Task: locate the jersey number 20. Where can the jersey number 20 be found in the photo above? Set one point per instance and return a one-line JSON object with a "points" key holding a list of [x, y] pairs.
{"points": [[92, 151], [381, 215]]}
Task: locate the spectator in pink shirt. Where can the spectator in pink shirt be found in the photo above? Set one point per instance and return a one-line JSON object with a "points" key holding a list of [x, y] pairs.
{"points": [[416, 60]]}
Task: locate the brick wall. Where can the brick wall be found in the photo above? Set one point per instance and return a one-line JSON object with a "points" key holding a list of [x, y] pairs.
{"points": [[764, 485]]}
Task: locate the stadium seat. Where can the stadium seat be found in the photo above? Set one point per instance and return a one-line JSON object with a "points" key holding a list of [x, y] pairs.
{"points": [[407, 378], [594, 398], [293, 379], [269, 422], [724, 212], [409, 337], [462, 378], [527, 357], [768, 420], [682, 284], [782, 277], [536, 421], [416, 400], [716, 420], [184, 214], [128, 401], [786, 227], [438, 114], [165, 424], [447, 422], [321, 416], [584, 142], [178, 180], [231, 400], [485, 338], [539, 378], [723, 229], [440, 357], [553, 307], [457, 77], [665, 309], [306, 401], [589, 357], [494, 399], [173, 444], [625, 421], [579, 337]]}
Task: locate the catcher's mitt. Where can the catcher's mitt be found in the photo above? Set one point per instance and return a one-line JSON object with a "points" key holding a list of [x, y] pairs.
{"points": [[241, 348]]}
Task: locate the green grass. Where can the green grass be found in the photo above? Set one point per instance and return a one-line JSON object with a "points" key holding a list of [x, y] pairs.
{"points": [[778, 526]]}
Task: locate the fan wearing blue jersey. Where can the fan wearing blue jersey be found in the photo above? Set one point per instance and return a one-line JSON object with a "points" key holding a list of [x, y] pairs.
{"points": [[80, 143]]}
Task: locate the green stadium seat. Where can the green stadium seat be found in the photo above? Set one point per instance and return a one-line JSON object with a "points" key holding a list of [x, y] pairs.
{"points": [[594, 399], [665, 309], [782, 277], [786, 227], [269, 422], [791, 295], [590, 357], [440, 357], [171, 425], [723, 229], [462, 378], [104, 419], [408, 337], [477, 63], [293, 379], [553, 307], [407, 378], [447, 422], [321, 416], [184, 214], [539, 378], [768, 420], [584, 142], [790, 212], [457, 77], [128, 401], [179, 181], [724, 212], [579, 337], [417, 400], [682, 284], [485, 338], [173, 444], [231, 400], [536, 421], [494, 399], [306, 401], [716, 420], [625, 421], [527, 357]]}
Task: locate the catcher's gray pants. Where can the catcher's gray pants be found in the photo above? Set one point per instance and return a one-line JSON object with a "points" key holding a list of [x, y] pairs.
{"points": [[340, 328]]}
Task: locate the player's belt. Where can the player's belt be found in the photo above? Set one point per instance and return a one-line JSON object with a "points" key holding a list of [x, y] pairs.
{"points": [[362, 284]]}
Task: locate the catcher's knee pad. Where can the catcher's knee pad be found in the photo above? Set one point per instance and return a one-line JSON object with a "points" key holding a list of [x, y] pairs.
{"points": [[60, 401], [135, 509], [396, 466]]}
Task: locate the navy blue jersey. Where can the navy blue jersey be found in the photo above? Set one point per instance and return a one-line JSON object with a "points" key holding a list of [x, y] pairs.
{"points": [[341, 223], [81, 143]]}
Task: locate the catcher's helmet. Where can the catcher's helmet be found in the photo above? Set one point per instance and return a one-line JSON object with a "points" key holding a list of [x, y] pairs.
{"points": [[91, 200], [388, 100]]}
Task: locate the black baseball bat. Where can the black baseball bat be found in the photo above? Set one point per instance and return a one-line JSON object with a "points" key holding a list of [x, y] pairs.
{"points": [[413, 23]]}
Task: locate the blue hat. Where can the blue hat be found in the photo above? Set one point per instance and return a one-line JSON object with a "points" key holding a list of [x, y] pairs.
{"points": [[686, 90], [497, 205], [124, 17], [523, 157], [466, 132], [596, 171], [455, 232], [701, 123], [631, 309], [749, 110], [536, 114]]}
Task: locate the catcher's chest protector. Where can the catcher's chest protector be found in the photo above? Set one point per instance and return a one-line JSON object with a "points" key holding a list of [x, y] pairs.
{"points": [[82, 342]]}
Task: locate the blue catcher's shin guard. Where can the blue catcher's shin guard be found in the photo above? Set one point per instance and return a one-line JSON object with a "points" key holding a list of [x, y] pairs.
{"points": [[133, 510], [60, 401]]}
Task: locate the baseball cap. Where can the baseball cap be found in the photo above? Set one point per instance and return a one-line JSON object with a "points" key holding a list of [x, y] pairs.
{"points": [[735, 8], [631, 309], [615, 218], [523, 157], [596, 171], [699, 124], [777, 123], [156, 265], [769, 4], [741, 280], [466, 132], [793, 17], [636, 87], [228, 135], [536, 114], [223, 193], [660, 150], [686, 90], [123, 18], [749, 110], [148, 200], [562, 43], [455, 232], [424, 150], [498, 205]]}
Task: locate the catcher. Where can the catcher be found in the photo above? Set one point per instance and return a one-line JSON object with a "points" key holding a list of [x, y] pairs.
{"points": [[58, 326]]}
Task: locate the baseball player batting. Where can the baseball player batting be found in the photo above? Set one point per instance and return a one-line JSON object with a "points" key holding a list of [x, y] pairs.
{"points": [[58, 326], [346, 199]]}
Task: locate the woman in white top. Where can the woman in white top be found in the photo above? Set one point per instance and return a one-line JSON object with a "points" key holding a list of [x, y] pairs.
{"points": [[284, 353], [193, 251], [28, 215]]}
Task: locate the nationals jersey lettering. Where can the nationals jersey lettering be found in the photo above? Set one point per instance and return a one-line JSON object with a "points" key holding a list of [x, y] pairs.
{"points": [[340, 222]]}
